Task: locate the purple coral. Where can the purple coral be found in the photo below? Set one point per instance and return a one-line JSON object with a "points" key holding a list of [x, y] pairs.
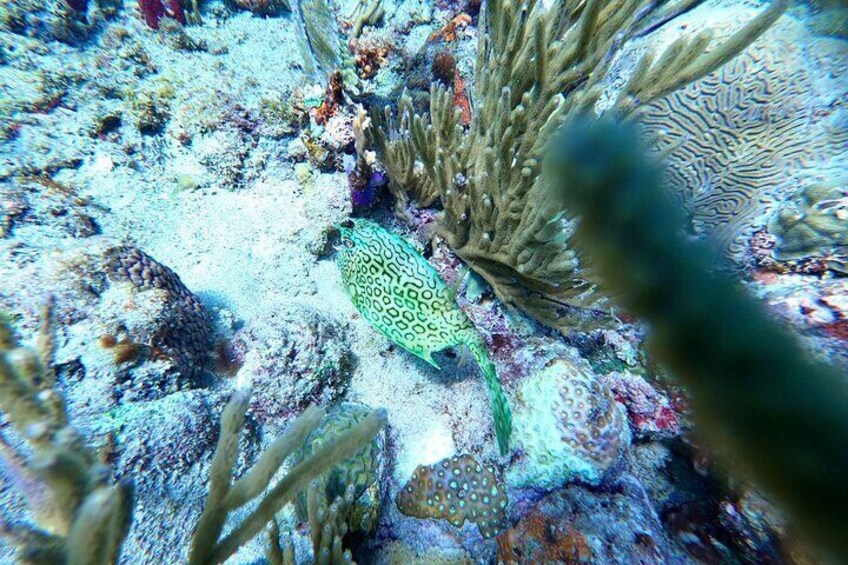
{"points": [[366, 194], [154, 10]]}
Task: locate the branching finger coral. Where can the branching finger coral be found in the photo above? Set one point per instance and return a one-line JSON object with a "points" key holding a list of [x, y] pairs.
{"points": [[226, 496], [536, 66], [367, 13], [81, 517], [328, 524]]}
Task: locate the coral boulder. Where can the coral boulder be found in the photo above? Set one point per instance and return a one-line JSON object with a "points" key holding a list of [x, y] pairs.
{"points": [[568, 427]]}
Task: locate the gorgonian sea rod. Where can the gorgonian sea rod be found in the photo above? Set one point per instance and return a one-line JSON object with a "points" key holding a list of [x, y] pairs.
{"points": [[537, 64]]}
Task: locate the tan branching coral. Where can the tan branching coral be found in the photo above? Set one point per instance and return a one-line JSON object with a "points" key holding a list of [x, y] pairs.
{"points": [[225, 496], [328, 524], [81, 517], [535, 67]]}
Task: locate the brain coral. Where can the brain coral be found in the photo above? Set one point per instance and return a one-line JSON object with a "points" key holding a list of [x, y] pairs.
{"points": [[457, 489], [184, 332], [736, 139], [814, 223], [363, 471], [568, 427]]}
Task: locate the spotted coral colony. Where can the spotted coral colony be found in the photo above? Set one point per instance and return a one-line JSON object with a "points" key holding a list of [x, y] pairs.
{"points": [[457, 489]]}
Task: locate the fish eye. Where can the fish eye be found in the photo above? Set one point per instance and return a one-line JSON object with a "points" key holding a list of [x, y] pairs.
{"points": [[347, 243]]}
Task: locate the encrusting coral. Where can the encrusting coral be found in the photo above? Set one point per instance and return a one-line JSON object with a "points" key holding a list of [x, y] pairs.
{"points": [[573, 406], [537, 64], [226, 496], [81, 517], [757, 395], [813, 224], [457, 489]]}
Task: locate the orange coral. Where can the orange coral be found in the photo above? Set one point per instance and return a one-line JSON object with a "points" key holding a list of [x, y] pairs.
{"points": [[448, 33], [369, 56], [460, 99], [552, 541], [332, 100]]}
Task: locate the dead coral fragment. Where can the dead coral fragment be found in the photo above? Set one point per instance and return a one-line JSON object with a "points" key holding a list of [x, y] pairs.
{"points": [[457, 489], [81, 517]]}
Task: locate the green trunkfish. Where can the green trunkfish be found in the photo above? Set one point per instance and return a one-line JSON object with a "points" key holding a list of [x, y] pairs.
{"points": [[402, 295]]}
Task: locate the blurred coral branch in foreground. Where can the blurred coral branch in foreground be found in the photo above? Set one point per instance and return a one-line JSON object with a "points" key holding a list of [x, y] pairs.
{"points": [[760, 399]]}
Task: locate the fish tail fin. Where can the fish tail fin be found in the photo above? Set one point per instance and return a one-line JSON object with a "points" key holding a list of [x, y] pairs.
{"points": [[500, 404]]}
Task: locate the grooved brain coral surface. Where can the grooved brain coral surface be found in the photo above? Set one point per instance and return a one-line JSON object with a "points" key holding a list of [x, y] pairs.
{"points": [[457, 489], [568, 427], [739, 139], [185, 334]]}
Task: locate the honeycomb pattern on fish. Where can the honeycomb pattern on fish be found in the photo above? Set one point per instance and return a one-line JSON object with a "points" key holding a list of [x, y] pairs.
{"points": [[401, 295]]}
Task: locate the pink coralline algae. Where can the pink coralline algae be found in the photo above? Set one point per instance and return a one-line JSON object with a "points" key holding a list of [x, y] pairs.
{"points": [[154, 10], [649, 412]]}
